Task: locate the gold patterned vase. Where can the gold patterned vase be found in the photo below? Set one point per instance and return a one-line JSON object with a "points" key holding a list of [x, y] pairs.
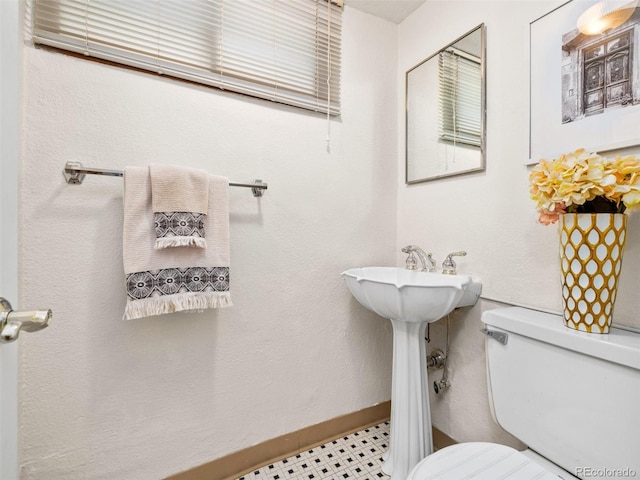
{"points": [[591, 246]]}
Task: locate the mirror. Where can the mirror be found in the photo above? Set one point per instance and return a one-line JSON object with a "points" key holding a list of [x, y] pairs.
{"points": [[446, 110]]}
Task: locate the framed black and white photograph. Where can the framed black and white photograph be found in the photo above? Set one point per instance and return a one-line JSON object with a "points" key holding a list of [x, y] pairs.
{"points": [[585, 78]]}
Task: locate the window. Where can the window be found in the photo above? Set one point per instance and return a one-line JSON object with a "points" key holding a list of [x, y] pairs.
{"points": [[286, 51], [460, 97]]}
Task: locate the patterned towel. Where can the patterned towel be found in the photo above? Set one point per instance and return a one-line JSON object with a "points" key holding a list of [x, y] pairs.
{"points": [[180, 199], [173, 279]]}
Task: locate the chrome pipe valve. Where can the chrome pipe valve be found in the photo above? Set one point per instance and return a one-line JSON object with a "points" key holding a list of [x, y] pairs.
{"points": [[441, 386], [437, 359]]}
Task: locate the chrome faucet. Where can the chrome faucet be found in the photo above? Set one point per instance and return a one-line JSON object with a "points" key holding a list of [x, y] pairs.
{"points": [[449, 266], [428, 263]]}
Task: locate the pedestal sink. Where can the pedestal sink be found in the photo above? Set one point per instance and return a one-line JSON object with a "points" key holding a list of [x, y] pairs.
{"points": [[410, 299]]}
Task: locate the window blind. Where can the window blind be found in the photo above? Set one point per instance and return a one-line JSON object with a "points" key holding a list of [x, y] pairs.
{"points": [[460, 98], [286, 51]]}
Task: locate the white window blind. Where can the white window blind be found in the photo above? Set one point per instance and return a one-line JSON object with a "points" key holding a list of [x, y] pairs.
{"points": [[286, 51], [460, 98]]}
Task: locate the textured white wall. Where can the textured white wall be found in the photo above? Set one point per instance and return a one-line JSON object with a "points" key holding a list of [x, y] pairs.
{"points": [[105, 399], [488, 214]]}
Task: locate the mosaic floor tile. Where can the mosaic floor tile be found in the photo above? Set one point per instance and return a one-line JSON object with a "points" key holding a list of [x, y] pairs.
{"points": [[357, 456]]}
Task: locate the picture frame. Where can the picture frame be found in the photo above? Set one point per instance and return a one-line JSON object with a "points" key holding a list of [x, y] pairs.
{"points": [[584, 89]]}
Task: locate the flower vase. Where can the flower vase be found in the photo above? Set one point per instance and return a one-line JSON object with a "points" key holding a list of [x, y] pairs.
{"points": [[591, 246]]}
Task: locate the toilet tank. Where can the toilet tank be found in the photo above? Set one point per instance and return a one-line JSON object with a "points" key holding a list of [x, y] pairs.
{"points": [[573, 397]]}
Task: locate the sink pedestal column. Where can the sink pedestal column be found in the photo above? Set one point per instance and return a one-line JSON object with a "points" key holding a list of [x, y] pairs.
{"points": [[410, 432]]}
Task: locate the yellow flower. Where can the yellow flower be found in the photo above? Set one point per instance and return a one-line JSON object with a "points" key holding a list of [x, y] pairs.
{"points": [[583, 181], [632, 199]]}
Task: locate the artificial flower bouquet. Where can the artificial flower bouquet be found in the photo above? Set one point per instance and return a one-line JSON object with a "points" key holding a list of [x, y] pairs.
{"points": [[582, 182]]}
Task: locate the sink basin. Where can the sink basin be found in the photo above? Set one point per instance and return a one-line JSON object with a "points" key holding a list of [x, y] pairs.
{"points": [[411, 300], [410, 295]]}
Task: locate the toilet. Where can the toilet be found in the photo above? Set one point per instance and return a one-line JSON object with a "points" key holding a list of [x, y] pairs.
{"points": [[572, 397]]}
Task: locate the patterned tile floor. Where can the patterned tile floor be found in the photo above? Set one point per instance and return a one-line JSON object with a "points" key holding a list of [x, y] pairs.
{"points": [[354, 457]]}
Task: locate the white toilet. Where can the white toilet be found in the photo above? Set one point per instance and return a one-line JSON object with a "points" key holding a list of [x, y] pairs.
{"points": [[573, 398]]}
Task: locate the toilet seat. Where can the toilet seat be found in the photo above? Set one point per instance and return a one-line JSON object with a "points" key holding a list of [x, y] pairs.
{"points": [[479, 461]]}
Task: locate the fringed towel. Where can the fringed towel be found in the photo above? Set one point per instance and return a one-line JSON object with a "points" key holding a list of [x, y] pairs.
{"points": [[173, 279], [180, 199]]}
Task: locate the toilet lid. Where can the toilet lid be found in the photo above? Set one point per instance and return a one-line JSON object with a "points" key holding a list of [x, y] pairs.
{"points": [[479, 461]]}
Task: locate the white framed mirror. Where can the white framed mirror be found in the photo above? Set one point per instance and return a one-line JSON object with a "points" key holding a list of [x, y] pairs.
{"points": [[446, 110]]}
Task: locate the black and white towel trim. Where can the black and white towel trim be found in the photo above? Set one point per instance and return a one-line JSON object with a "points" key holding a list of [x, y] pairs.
{"points": [[179, 229], [156, 292], [171, 281]]}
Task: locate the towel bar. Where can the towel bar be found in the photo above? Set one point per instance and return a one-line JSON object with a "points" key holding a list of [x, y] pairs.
{"points": [[74, 173]]}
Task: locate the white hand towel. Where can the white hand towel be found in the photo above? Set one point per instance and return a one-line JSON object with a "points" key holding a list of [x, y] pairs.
{"points": [[180, 199], [173, 279]]}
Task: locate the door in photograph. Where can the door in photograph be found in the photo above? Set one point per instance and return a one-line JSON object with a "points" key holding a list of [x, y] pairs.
{"points": [[607, 75]]}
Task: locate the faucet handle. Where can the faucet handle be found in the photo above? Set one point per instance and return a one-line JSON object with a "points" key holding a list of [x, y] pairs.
{"points": [[408, 249], [449, 266], [411, 262]]}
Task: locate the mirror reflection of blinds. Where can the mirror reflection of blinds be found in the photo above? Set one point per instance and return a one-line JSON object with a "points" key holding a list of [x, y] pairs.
{"points": [[286, 52], [459, 98]]}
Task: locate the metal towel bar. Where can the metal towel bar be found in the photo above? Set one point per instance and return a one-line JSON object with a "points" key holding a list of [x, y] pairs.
{"points": [[74, 173]]}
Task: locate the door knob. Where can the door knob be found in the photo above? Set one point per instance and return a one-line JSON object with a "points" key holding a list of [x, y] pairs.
{"points": [[12, 322]]}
